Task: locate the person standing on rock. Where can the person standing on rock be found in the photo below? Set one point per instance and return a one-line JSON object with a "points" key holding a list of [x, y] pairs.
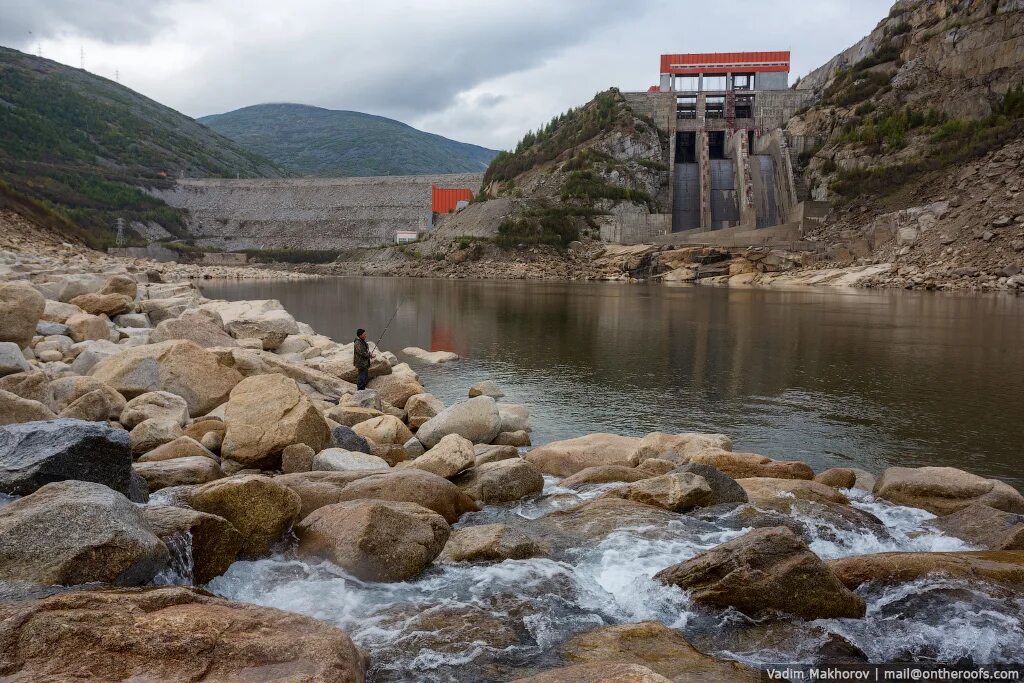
{"points": [[361, 356]]}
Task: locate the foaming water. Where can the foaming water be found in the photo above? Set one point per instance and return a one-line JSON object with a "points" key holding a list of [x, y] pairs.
{"points": [[465, 622]]}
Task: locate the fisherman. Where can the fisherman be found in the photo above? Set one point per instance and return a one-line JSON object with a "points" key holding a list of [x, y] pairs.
{"points": [[361, 356]]}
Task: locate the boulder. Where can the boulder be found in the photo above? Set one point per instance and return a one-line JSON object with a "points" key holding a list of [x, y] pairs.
{"points": [[74, 532], [997, 566], [196, 328], [342, 365], [674, 491], [88, 354], [476, 419], [12, 360], [21, 307], [150, 434], [422, 407], [161, 474], [503, 481], [318, 488], [760, 489], [266, 320], [396, 389], [170, 634], [344, 437], [340, 460], [362, 398], [121, 284], [865, 480], [104, 304], [392, 454], [413, 448], [654, 645], [448, 457], [59, 312], [350, 416], [486, 388], [984, 526], [93, 406], [33, 454], [33, 385], [265, 414], [493, 453], [85, 326], [384, 430], [133, 321], [432, 357], [490, 543], [724, 488], [678, 447], [942, 490], [67, 390], [412, 486], [742, 465], [178, 367], [563, 458], [655, 466], [261, 508], [603, 474], [45, 328], [837, 477], [70, 286], [515, 417], [594, 520], [14, 409], [211, 541], [182, 447], [374, 540], [518, 439], [160, 405], [597, 672], [297, 458], [764, 571]]}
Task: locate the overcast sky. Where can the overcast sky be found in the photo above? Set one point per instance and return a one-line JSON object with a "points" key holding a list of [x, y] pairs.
{"points": [[472, 70]]}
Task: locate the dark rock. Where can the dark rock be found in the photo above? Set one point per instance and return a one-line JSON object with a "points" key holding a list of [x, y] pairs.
{"points": [[345, 438], [723, 487], [33, 454], [47, 328]]}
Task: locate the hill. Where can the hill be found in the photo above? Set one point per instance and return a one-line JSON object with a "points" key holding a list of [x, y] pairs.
{"points": [[324, 142], [85, 148]]}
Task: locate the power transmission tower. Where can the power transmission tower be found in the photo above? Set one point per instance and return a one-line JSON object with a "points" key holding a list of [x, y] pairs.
{"points": [[81, 56], [119, 241]]}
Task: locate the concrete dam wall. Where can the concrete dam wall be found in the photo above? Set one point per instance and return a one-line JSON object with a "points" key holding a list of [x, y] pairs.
{"points": [[308, 213]]}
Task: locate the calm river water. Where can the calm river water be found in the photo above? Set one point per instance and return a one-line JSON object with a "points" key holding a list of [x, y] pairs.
{"points": [[833, 378]]}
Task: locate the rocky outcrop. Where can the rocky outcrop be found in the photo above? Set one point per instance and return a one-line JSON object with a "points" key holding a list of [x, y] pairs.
{"points": [[265, 320], [76, 532], [21, 307], [199, 329], [489, 543], [503, 481], [564, 458], [374, 540], [675, 492], [476, 419], [943, 490], [1002, 566], [762, 572], [981, 525], [412, 486], [211, 541], [169, 634], [260, 508]]}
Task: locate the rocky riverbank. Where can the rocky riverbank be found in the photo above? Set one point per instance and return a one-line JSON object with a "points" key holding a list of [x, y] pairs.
{"points": [[194, 489]]}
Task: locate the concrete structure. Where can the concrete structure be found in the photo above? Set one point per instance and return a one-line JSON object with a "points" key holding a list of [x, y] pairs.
{"points": [[309, 213], [730, 163]]}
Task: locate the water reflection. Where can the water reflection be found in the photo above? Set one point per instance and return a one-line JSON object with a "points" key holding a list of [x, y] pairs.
{"points": [[829, 377]]}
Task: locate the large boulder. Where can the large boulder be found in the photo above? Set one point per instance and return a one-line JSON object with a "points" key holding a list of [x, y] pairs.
{"points": [[837, 477], [374, 540], [998, 566], [603, 474], [14, 409], [182, 447], [432, 357], [121, 284], [33, 454], [678, 492], [12, 360], [155, 404], [195, 469], [85, 326], [396, 389], [765, 571], [563, 458], [342, 365], [412, 486], [265, 320], [265, 414], [297, 458], [515, 417], [724, 488], [59, 311], [384, 430], [350, 416], [340, 460], [212, 542], [344, 437], [261, 508], [448, 457], [490, 543], [597, 672], [153, 433], [763, 489], [21, 307], [678, 447], [33, 385], [596, 519], [984, 526], [178, 367], [104, 304], [476, 419], [169, 634], [656, 646], [488, 387], [93, 406], [422, 407], [503, 481], [200, 329], [742, 465], [318, 488], [75, 532], [943, 490], [67, 390]]}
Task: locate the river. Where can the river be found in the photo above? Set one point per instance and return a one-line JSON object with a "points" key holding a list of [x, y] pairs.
{"points": [[831, 377]]}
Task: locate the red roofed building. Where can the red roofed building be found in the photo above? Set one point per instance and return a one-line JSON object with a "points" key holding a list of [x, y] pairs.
{"points": [[724, 71]]}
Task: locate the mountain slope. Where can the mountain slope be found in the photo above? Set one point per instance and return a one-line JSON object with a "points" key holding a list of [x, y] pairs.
{"points": [[86, 147], [325, 142]]}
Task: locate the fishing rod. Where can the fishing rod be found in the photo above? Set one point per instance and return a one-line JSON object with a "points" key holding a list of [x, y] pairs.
{"points": [[379, 339]]}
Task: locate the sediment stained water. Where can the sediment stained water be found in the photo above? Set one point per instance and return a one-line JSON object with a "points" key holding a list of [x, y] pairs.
{"points": [[829, 377]]}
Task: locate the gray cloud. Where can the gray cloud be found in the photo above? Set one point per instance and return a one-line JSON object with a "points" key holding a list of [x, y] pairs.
{"points": [[113, 21]]}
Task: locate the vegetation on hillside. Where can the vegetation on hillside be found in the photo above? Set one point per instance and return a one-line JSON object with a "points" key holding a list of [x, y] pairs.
{"points": [[86, 148], [324, 142]]}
